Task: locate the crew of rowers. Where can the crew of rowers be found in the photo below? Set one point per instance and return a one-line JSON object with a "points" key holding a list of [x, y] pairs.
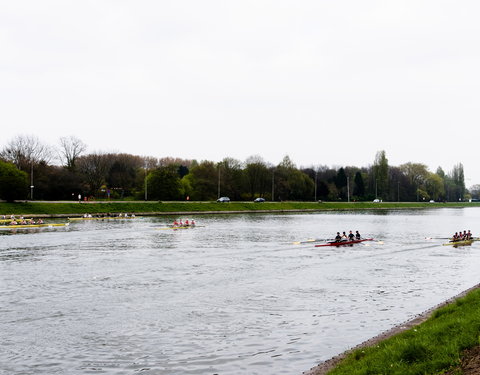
{"points": [[459, 236], [12, 220], [350, 237], [107, 215], [186, 223]]}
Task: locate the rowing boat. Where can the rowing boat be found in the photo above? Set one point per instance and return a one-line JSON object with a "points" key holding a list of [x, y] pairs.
{"points": [[343, 243], [459, 243], [178, 227], [100, 218], [27, 226]]}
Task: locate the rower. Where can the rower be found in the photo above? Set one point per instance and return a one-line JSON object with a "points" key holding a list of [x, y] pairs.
{"points": [[338, 238], [469, 235], [351, 236], [357, 235]]}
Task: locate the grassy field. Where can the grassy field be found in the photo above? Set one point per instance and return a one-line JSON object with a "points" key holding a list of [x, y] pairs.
{"points": [[430, 348], [75, 208]]}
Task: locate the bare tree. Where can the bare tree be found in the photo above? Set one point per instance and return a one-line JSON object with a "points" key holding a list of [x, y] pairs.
{"points": [[71, 148], [26, 150], [95, 167]]}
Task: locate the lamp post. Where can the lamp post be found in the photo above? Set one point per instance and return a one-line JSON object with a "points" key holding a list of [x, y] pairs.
{"points": [[273, 185], [316, 172], [31, 182], [218, 192], [146, 184], [348, 189]]}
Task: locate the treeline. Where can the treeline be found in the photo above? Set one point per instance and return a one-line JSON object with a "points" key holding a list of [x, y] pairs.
{"points": [[30, 169]]}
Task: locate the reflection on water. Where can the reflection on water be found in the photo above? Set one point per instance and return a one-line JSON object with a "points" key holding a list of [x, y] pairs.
{"points": [[234, 296]]}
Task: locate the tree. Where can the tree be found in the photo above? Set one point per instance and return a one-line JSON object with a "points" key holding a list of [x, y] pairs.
{"points": [[435, 186], [204, 181], [71, 149], [13, 182], [95, 168], [475, 191], [164, 183], [182, 171], [380, 171], [283, 178], [457, 177], [416, 174], [359, 187], [231, 176], [25, 151], [257, 177], [322, 190], [341, 181], [123, 171]]}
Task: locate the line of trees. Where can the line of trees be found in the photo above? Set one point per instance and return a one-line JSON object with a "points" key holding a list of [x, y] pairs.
{"points": [[30, 169]]}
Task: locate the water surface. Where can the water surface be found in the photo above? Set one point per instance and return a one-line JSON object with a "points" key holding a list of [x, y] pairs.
{"points": [[232, 296]]}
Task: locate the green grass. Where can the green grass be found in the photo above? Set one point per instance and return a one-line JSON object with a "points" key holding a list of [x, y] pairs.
{"points": [[72, 208], [429, 348]]}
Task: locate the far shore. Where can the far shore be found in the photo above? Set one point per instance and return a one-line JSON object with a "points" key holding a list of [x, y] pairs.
{"points": [[59, 209]]}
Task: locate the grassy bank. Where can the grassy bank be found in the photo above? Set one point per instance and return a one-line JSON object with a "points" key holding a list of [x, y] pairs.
{"points": [[432, 347], [75, 208]]}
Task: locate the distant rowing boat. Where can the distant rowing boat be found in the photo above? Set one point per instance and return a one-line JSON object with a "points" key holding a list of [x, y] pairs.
{"points": [[27, 226], [101, 218], [343, 243], [178, 227]]}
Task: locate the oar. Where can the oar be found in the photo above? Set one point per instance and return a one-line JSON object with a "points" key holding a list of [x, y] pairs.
{"points": [[313, 240]]}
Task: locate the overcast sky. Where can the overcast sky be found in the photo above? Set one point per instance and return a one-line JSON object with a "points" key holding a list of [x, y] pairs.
{"points": [[325, 82]]}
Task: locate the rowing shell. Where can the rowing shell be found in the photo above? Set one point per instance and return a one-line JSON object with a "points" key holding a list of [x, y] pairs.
{"points": [[459, 243], [179, 227], [26, 226], [101, 218], [342, 243]]}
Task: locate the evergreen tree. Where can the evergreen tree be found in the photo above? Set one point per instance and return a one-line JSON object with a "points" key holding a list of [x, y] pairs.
{"points": [[359, 188], [380, 170]]}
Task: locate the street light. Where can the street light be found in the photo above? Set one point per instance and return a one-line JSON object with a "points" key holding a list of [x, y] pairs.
{"points": [[348, 189], [218, 193], [31, 182], [146, 185], [273, 184]]}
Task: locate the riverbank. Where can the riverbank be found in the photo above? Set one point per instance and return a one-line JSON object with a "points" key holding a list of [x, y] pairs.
{"points": [[441, 341], [61, 209]]}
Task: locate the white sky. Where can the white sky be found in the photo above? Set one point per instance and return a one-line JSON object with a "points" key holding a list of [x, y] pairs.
{"points": [[326, 82]]}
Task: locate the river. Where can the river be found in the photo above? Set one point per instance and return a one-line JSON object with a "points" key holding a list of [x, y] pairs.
{"points": [[234, 295]]}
